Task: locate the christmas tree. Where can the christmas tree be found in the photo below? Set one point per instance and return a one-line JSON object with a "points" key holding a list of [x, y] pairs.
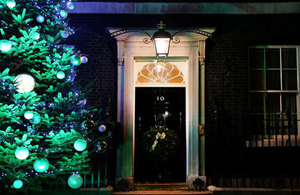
{"points": [[43, 116]]}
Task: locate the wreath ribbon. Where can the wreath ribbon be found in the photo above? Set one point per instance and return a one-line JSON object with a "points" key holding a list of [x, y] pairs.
{"points": [[159, 136]]}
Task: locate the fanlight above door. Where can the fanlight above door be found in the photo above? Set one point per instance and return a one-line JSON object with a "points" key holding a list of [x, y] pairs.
{"points": [[160, 73]]}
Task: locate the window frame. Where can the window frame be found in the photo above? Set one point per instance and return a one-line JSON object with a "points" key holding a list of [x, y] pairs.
{"points": [[281, 91]]}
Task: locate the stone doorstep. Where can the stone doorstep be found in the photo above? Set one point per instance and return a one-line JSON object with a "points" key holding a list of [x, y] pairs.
{"points": [[160, 186], [162, 192]]}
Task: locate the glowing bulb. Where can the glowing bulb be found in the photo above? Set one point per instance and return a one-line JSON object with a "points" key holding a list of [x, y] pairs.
{"points": [[63, 13], [80, 145], [11, 3], [24, 83], [28, 115], [5, 45], [75, 60], [18, 184], [37, 36], [70, 5], [22, 153]]}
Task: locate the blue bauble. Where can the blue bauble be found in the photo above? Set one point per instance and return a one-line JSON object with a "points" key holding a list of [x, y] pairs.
{"points": [[64, 34], [75, 181], [40, 19]]}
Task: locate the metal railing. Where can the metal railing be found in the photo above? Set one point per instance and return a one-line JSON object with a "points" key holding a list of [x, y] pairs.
{"points": [[273, 130]]}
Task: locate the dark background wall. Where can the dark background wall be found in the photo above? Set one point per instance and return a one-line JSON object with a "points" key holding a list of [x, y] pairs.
{"points": [[227, 103]]}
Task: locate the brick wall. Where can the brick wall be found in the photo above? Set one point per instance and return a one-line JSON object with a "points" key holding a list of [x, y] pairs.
{"points": [[226, 74]]}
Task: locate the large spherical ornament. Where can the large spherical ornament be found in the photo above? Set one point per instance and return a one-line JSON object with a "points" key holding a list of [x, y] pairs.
{"points": [[40, 19], [89, 124], [80, 145], [21, 153], [75, 181], [18, 184], [36, 119], [102, 147], [41, 165], [63, 13], [28, 115], [64, 34], [84, 59], [24, 83], [75, 60], [102, 128], [5, 45], [11, 3], [70, 5], [60, 75]]}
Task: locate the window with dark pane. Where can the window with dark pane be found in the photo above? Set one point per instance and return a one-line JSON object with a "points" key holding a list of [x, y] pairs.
{"points": [[273, 58], [289, 79], [273, 79], [289, 58], [273, 82]]}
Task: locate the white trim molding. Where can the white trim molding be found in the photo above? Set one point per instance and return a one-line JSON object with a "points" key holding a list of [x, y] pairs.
{"points": [[190, 52]]}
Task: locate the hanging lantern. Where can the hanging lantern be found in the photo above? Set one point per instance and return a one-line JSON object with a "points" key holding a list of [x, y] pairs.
{"points": [[162, 40]]}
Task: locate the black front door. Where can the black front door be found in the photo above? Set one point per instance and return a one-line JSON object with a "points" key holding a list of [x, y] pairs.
{"points": [[160, 150]]}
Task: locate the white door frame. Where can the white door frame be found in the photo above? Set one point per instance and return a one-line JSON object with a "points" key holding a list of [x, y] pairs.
{"points": [[191, 46]]}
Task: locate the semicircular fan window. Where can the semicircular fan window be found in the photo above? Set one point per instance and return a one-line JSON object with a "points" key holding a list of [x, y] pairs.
{"points": [[160, 73]]}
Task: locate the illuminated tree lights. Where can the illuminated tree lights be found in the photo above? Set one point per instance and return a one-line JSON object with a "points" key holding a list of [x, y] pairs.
{"points": [[41, 109]]}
